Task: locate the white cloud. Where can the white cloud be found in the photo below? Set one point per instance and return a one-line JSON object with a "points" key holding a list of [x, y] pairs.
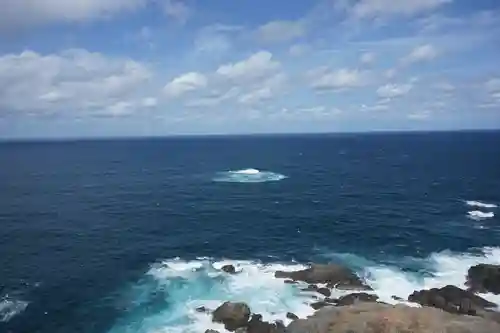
{"points": [[73, 80], [22, 13], [281, 31], [264, 90], [185, 83], [258, 65], [420, 115], [149, 102], [177, 10], [445, 86], [377, 8], [367, 58], [214, 98], [421, 53], [324, 79], [297, 50], [393, 90], [493, 85]]}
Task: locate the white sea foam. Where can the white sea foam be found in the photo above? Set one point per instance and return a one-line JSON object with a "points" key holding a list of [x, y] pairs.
{"points": [[248, 176], [186, 285], [10, 307], [480, 204], [479, 215]]}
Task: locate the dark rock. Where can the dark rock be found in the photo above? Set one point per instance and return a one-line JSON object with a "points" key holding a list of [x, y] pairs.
{"points": [[292, 316], [202, 309], [211, 331], [232, 315], [451, 299], [311, 287], [356, 298], [256, 325], [290, 282], [331, 300], [396, 298], [384, 318], [319, 305], [324, 291], [229, 269], [334, 275], [484, 278]]}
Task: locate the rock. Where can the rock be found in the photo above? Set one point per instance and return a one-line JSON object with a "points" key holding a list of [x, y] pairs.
{"points": [[319, 305], [202, 309], [451, 299], [355, 298], [292, 316], [232, 315], [211, 331], [311, 287], [324, 291], [229, 269], [256, 325], [484, 278], [384, 318], [396, 298], [347, 287], [290, 282], [331, 274]]}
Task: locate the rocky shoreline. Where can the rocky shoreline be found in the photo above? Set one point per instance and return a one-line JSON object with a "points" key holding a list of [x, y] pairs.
{"points": [[438, 310]]}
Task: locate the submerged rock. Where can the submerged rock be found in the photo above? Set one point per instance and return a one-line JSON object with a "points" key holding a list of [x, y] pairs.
{"points": [[384, 318], [451, 299], [334, 275], [484, 278], [232, 315], [229, 269], [202, 309]]}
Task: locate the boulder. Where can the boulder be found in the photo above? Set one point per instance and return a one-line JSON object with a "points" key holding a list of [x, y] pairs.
{"points": [[319, 305], [292, 316], [202, 309], [484, 279], [333, 275], [211, 331], [256, 325], [229, 269], [356, 298], [232, 315], [290, 282], [324, 291], [311, 287], [451, 299], [385, 318]]}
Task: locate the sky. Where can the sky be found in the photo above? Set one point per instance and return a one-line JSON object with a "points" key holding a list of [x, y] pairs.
{"points": [[98, 68]]}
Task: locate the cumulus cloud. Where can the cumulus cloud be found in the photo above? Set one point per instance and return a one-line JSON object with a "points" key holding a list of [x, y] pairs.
{"points": [[325, 79], [421, 53], [185, 83], [264, 91], [376, 8], [22, 13], [281, 31], [393, 90], [75, 80], [256, 66]]}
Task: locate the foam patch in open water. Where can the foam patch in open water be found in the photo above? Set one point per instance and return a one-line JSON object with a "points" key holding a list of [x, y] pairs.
{"points": [[248, 176]]}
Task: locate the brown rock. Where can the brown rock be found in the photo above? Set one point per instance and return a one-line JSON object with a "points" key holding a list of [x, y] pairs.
{"points": [[484, 278], [356, 298], [232, 315], [384, 318], [331, 274], [256, 325]]}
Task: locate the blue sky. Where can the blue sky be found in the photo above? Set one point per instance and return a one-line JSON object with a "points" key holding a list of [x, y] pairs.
{"points": [[161, 67]]}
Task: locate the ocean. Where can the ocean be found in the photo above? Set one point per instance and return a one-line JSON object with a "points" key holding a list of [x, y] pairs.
{"points": [[122, 236]]}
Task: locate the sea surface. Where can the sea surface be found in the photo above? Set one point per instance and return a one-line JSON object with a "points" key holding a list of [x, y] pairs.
{"points": [[122, 236]]}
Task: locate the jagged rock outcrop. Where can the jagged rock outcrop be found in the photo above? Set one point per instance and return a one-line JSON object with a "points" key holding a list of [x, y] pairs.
{"points": [[484, 278], [230, 269], [333, 275], [232, 315], [384, 318]]}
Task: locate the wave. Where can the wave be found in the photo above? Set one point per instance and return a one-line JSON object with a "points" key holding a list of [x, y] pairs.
{"points": [[248, 176], [10, 307], [165, 300], [478, 215], [480, 204]]}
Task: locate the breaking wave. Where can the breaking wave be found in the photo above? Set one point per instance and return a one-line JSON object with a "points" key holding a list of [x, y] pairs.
{"points": [[165, 300], [478, 215], [248, 176], [10, 307], [480, 204]]}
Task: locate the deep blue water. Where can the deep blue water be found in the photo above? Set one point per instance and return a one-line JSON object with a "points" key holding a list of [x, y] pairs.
{"points": [[82, 222]]}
